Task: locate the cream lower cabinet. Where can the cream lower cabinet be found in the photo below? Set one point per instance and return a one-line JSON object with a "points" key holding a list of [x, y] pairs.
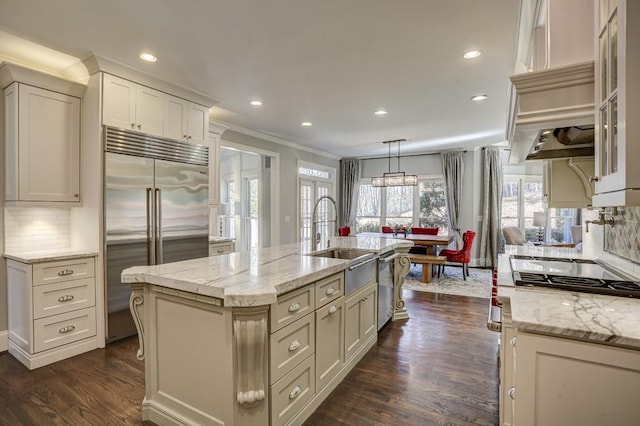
{"points": [[567, 382], [507, 367], [221, 247], [52, 314], [360, 318]]}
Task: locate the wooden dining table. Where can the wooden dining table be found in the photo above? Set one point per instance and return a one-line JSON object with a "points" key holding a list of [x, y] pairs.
{"points": [[430, 241]]}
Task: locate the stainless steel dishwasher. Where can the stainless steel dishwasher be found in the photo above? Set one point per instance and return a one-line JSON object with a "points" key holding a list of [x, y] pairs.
{"points": [[385, 287]]}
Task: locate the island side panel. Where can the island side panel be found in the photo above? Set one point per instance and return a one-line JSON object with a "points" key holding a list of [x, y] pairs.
{"points": [[190, 362]]}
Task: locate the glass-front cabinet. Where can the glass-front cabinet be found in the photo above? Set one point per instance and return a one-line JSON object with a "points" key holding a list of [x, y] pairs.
{"points": [[618, 103]]}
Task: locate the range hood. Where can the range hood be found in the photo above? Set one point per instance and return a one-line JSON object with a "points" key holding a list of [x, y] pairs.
{"points": [[553, 113]]}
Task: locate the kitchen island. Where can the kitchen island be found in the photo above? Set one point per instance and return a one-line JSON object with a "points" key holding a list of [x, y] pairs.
{"points": [[566, 357], [255, 338]]}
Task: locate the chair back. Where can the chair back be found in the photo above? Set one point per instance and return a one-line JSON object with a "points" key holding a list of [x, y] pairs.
{"points": [[513, 236], [424, 231], [467, 242], [387, 230], [344, 231]]}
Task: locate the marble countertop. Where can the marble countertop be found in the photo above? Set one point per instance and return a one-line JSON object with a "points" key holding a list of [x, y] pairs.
{"points": [[585, 316], [39, 256], [255, 277]]}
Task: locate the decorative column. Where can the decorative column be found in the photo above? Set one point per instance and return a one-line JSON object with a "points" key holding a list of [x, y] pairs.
{"points": [[251, 334], [136, 300]]}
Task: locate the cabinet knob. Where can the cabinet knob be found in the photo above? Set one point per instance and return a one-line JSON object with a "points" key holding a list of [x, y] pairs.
{"points": [[513, 341], [189, 137], [185, 136], [593, 179], [133, 125], [139, 126], [330, 291], [294, 345], [512, 392], [295, 306], [295, 392], [66, 329], [333, 309], [76, 195]]}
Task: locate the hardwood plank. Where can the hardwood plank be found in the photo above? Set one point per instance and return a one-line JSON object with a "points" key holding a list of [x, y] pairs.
{"points": [[437, 368]]}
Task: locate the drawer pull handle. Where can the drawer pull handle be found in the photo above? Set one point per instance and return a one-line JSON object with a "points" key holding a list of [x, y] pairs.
{"points": [[67, 329], [294, 345], [65, 272], [512, 392], [330, 291], [220, 250], [295, 392], [295, 306], [65, 298], [333, 309]]}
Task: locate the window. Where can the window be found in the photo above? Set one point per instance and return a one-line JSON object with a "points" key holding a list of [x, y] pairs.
{"points": [[422, 206], [521, 197]]}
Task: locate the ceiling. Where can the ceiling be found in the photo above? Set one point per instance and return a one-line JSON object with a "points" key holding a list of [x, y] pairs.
{"points": [[332, 63]]}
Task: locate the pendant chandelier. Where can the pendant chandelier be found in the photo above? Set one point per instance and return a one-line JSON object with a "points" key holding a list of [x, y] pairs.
{"points": [[394, 178]]}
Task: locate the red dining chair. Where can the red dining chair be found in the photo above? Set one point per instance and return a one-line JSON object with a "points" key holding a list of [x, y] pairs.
{"points": [[387, 230], [418, 249], [461, 256]]}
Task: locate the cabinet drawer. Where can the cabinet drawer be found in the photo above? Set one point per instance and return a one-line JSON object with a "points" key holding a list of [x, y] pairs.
{"points": [[290, 345], [221, 248], [66, 296], [59, 330], [291, 306], [329, 289], [63, 270], [291, 392]]}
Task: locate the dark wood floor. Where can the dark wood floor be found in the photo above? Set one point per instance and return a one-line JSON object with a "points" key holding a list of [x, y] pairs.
{"points": [[438, 368]]}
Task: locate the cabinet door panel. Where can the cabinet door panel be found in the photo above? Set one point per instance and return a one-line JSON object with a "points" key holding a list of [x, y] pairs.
{"points": [[198, 123], [175, 118], [119, 103], [352, 326], [369, 312], [149, 114], [49, 145], [329, 342]]}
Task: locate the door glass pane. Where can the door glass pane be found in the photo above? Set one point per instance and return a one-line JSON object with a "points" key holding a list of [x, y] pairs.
{"points": [[432, 204], [306, 206], [252, 218], [325, 215], [532, 198], [604, 89], [399, 205], [604, 144], [560, 221], [614, 135], [604, 12], [510, 192], [613, 34], [368, 215]]}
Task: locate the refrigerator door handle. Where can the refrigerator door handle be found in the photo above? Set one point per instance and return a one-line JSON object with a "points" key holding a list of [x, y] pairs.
{"points": [[151, 237], [159, 226]]}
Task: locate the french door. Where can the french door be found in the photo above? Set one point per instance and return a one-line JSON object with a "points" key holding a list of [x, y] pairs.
{"points": [[310, 191]]}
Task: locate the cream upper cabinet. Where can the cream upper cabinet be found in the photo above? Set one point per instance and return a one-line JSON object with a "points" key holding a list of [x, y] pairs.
{"points": [[129, 105], [185, 121], [617, 104], [42, 142]]}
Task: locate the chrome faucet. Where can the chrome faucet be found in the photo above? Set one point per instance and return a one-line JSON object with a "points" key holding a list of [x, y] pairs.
{"points": [[315, 236], [602, 220]]}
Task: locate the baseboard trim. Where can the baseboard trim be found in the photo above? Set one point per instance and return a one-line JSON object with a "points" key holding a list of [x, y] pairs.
{"points": [[53, 355], [4, 340]]}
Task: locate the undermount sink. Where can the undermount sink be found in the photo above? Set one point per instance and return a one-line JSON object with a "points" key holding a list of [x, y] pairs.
{"points": [[342, 253]]}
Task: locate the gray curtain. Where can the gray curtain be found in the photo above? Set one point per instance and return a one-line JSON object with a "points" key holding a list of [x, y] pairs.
{"points": [[453, 169], [349, 184], [492, 205]]}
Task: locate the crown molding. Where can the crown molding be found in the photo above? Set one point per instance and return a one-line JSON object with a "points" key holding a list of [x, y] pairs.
{"points": [[10, 73]]}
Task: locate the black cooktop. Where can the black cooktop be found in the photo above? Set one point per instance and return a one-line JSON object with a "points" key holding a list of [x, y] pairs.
{"points": [[622, 287]]}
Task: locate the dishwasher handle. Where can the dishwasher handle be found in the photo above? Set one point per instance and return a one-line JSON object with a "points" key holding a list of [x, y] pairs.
{"points": [[356, 266], [390, 258]]}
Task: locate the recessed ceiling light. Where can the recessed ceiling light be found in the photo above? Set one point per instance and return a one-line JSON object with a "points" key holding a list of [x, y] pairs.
{"points": [[306, 124], [380, 112], [256, 103], [478, 98], [149, 57], [472, 54]]}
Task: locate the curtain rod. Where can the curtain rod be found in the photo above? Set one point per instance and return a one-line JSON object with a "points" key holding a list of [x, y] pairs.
{"points": [[402, 156]]}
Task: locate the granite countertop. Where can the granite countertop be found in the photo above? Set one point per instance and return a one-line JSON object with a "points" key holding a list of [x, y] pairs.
{"points": [[255, 277], [585, 316], [40, 256]]}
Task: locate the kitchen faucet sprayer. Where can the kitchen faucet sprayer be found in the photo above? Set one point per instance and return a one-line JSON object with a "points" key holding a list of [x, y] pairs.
{"points": [[315, 236], [602, 220]]}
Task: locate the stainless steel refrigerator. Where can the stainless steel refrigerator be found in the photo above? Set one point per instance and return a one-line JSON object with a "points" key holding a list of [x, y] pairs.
{"points": [[156, 211]]}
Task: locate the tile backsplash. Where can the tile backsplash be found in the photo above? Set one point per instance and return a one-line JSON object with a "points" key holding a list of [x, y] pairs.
{"points": [[36, 228], [623, 239]]}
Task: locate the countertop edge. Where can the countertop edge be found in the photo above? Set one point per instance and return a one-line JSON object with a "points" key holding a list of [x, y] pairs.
{"points": [[28, 258]]}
